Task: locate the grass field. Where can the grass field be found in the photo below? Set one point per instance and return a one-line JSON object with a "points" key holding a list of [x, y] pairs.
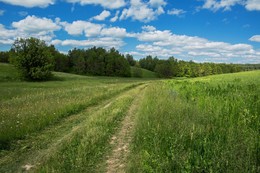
{"points": [[208, 124], [145, 73], [27, 107]]}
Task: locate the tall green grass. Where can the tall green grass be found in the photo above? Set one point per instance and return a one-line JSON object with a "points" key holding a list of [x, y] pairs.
{"points": [[8, 73], [209, 124], [27, 107], [85, 148]]}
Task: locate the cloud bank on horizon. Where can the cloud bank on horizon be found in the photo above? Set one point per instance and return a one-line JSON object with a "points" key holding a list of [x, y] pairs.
{"points": [[210, 30]]}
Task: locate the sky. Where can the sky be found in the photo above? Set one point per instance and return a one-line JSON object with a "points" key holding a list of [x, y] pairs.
{"points": [[199, 30]]}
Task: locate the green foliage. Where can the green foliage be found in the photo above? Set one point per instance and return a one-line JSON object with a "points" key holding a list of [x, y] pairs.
{"points": [[179, 68], [4, 57], [164, 69], [148, 63], [130, 60], [137, 72], [32, 58], [61, 61], [208, 124], [98, 61]]}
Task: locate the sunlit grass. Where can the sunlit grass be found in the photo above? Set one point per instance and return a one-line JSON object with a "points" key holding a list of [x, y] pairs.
{"points": [[26, 107], [208, 124]]}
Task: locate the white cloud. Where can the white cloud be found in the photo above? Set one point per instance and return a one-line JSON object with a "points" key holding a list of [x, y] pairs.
{"points": [[176, 12], [215, 5], [79, 27], [252, 5], [89, 29], [148, 28], [102, 16], [255, 38], [32, 24], [141, 11], [2, 12], [30, 3], [166, 44], [111, 4], [107, 42], [157, 3], [115, 18], [6, 34], [114, 32], [154, 35]]}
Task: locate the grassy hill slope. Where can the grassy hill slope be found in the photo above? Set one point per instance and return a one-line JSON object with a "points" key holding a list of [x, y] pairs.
{"points": [[145, 73]]}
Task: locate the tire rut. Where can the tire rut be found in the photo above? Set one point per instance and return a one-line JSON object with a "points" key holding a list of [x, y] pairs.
{"points": [[117, 159], [31, 152]]}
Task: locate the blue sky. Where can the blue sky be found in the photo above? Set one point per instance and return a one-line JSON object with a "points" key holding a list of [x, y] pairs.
{"points": [[199, 30]]}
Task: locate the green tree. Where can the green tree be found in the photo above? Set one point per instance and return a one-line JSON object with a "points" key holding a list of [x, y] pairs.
{"points": [[61, 61], [130, 60], [148, 62], [4, 57], [33, 59], [77, 61], [164, 69]]}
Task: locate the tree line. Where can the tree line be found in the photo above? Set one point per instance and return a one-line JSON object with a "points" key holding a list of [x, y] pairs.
{"points": [[35, 60], [173, 67]]}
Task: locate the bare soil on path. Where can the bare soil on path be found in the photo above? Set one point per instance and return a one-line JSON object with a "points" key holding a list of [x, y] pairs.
{"points": [[117, 159]]}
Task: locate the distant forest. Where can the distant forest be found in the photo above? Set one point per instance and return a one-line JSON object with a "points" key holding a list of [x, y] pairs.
{"points": [[101, 62]]}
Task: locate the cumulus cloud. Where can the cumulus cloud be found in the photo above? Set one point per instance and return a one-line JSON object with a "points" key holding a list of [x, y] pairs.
{"points": [[102, 16], [252, 5], [153, 35], [215, 5], [111, 4], [89, 29], [32, 24], [143, 12], [176, 12], [82, 27], [166, 44], [115, 18], [30, 3], [157, 3], [6, 34], [114, 32], [148, 28], [96, 35], [107, 42], [255, 38]]}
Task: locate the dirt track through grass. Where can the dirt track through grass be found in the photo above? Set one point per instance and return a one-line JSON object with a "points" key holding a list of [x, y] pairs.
{"points": [[32, 152], [116, 160]]}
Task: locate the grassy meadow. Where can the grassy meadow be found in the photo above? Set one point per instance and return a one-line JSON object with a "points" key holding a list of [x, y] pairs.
{"points": [[207, 124], [26, 107]]}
